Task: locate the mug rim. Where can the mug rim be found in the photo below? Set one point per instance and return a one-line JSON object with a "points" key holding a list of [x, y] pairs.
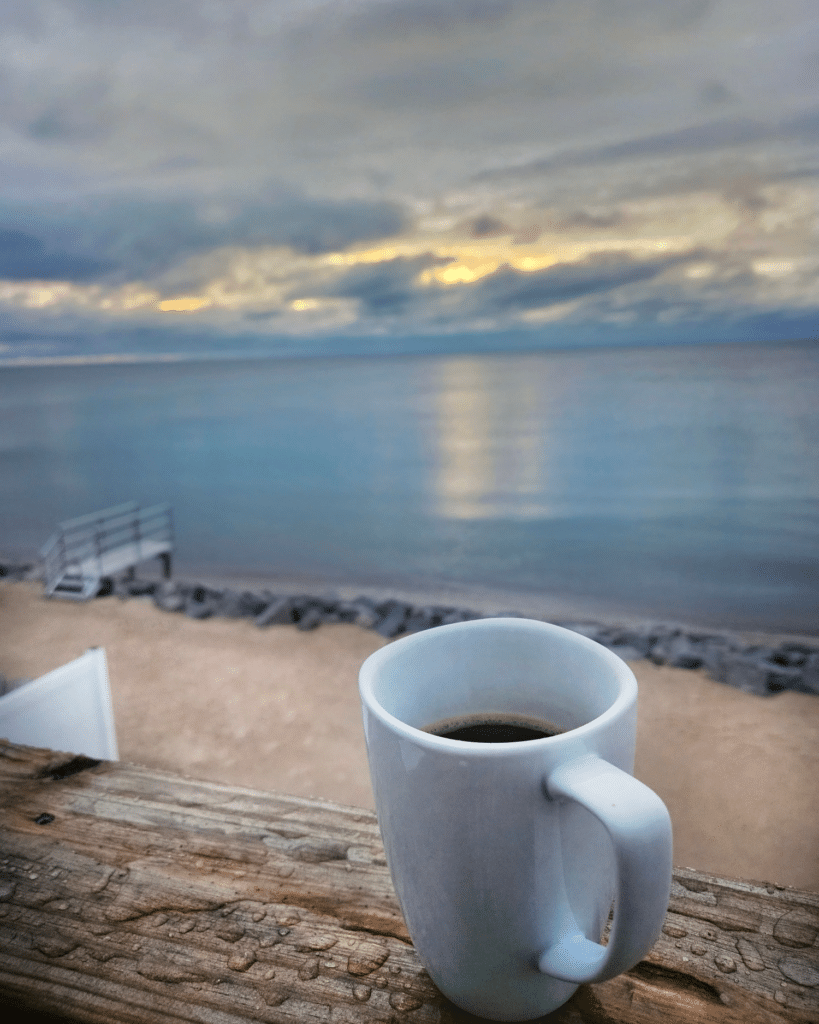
{"points": [[626, 696]]}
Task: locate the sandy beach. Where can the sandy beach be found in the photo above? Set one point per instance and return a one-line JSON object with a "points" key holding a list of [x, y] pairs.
{"points": [[277, 709]]}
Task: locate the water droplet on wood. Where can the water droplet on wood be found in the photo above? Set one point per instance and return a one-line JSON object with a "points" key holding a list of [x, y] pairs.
{"points": [[799, 971], [316, 943], [797, 929], [674, 931], [404, 1001], [309, 970], [366, 960], [229, 931], [170, 973], [750, 955], [242, 961], [55, 945], [272, 995], [362, 993]]}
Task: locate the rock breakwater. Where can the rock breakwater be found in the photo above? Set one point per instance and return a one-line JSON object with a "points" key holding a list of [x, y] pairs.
{"points": [[756, 668]]}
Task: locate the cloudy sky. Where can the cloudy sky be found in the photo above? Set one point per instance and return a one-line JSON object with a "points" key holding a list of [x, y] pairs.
{"points": [[217, 173]]}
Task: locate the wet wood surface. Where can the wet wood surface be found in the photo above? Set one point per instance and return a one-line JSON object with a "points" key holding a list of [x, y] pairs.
{"points": [[131, 895]]}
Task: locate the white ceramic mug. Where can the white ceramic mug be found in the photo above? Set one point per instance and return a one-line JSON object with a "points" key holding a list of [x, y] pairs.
{"points": [[506, 857]]}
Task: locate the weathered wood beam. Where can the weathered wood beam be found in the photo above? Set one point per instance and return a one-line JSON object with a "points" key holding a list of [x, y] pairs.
{"points": [[133, 896]]}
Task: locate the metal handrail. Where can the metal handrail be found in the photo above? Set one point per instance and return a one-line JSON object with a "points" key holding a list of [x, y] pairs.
{"points": [[92, 536]]}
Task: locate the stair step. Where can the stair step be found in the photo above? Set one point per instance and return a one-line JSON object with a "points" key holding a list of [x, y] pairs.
{"points": [[75, 587]]}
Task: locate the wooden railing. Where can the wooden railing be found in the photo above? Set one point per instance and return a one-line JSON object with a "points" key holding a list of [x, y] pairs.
{"points": [[134, 895], [84, 551]]}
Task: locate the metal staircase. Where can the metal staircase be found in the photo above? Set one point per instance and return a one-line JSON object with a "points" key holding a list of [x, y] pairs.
{"points": [[84, 552]]}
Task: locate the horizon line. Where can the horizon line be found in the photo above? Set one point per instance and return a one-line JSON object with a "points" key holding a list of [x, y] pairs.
{"points": [[131, 358]]}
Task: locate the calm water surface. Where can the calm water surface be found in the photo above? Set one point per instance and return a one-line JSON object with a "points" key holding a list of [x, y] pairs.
{"points": [[679, 482]]}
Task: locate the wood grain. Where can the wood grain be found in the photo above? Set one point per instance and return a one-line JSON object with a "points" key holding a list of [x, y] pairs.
{"points": [[133, 896]]}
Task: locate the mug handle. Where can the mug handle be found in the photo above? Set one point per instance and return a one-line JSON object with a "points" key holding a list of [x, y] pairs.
{"points": [[638, 823]]}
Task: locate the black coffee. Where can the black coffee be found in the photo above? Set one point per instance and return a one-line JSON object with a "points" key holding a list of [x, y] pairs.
{"points": [[497, 728]]}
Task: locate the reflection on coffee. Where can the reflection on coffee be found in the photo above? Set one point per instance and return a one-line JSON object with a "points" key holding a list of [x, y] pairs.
{"points": [[493, 728]]}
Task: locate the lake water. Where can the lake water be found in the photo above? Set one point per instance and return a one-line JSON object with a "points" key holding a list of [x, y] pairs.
{"points": [[677, 483]]}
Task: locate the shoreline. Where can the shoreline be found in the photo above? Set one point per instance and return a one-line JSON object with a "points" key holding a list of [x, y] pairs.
{"points": [[490, 600], [759, 663], [484, 598]]}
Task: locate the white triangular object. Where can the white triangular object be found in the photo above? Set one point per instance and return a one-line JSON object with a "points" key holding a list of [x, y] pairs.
{"points": [[68, 709]]}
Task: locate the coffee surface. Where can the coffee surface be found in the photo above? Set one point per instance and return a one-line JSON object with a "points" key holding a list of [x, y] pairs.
{"points": [[493, 728]]}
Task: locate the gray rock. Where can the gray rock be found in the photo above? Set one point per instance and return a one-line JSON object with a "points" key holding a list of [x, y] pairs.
{"points": [[752, 671], [745, 672], [196, 609], [627, 643], [791, 654], [809, 682], [680, 651], [661, 647], [17, 571], [393, 616], [366, 613], [310, 618], [715, 652], [234, 605], [230, 606], [140, 588], [348, 611], [784, 677], [119, 588], [169, 597], [279, 612], [459, 615], [301, 604], [423, 618]]}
